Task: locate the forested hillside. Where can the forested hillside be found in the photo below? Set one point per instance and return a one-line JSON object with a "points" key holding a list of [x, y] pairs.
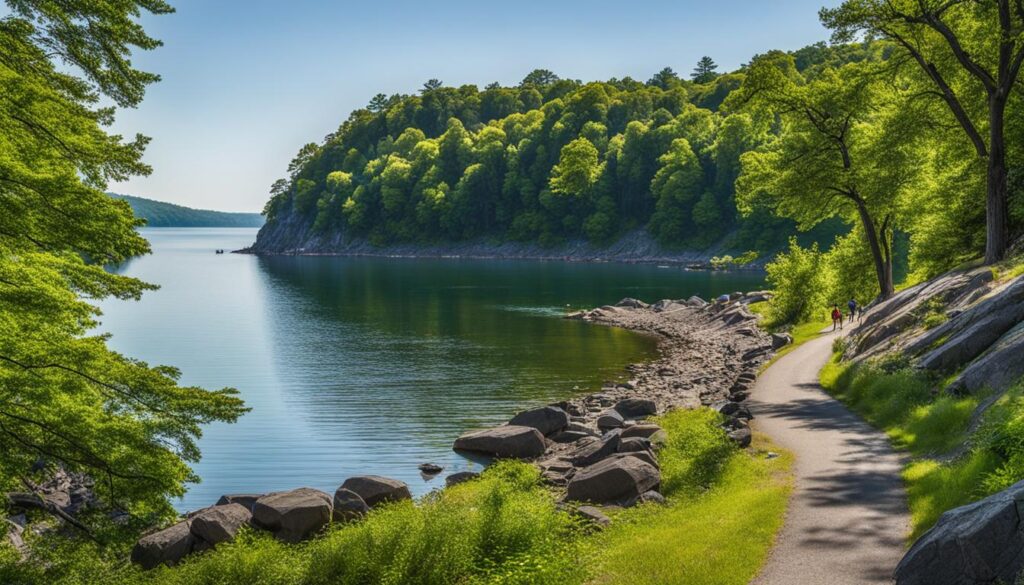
{"points": [[545, 161], [161, 214]]}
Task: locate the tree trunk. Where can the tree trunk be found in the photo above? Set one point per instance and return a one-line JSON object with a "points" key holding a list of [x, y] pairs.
{"points": [[882, 260], [997, 231]]}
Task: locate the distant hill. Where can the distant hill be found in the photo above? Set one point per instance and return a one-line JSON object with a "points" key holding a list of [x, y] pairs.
{"points": [[160, 214]]}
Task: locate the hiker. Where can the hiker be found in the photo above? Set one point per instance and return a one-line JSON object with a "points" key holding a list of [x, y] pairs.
{"points": [[853, 309], [837, 318]]}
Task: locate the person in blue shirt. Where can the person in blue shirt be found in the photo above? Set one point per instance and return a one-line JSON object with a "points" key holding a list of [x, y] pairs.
{"points": [[853, 309]]}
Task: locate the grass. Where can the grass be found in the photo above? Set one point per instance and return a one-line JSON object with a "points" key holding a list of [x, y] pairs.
{"points": [[724, 508], [932, 426], [801, 332]]}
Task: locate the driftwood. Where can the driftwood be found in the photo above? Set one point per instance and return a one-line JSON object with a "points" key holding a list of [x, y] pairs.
{"points": [[35, 501]]}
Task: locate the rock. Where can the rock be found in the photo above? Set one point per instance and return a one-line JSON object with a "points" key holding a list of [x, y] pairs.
{"points": [[742, 436], [997, 369], [648, 497], [376, 490], [348, 506], [733, 409], [592, 452], [13, 534], [547, 419], [570, 436], [430, 468], [609, 419], [641, 430], [739, 396], [509, 441], [976, 543], [246, 500], [781, 340], [634, 444], [748, 377], [220, 523], [617, 479], [166, 547], [631, 303], [593, 515], [293, 516], [722, 299], [696, 301], [636, 407], [460, 477], [736, 296]]}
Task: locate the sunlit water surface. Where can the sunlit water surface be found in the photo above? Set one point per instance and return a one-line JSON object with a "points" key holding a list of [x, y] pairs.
{"points": [[358, 365]]}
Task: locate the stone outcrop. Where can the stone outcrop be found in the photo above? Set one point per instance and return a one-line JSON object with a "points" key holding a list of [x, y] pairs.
{"points": [[376, 490], [166, 547], [613, 480], [219, 524], [548, 419], [348, 506], [293, 516], [998, 368], [508, 441], [980, 543]]}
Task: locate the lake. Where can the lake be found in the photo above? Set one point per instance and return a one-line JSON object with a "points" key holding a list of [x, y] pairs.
{"points": [[369, 365]]}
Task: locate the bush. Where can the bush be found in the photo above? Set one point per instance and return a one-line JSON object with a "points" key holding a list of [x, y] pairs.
{"points": [[796, 279]]}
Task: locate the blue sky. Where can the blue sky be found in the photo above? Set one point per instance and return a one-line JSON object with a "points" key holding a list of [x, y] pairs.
{"points": [[246, 83]]}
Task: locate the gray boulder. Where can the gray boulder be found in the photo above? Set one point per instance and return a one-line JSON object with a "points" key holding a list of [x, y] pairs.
{"points": [[631, 303], [593, 515], [570, 436], [165, 547], [220, 523], [597, 449], [509, 441], [636, 407], [610, 419], [997, 369], [634, 444], [644, 430], [246, 500], [612, 480], [742, 436], [548, 419], [780, 340], [376, 490], [973, 544], [348, 506], [460, 477], [293, 516], [696, 301]]}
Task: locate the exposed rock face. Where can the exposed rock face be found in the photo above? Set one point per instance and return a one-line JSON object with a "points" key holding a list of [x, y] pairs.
{"points": [[999, 367], [509, 441], [219, 524], [548, 419], [293, 516], [976, 544], [376, 490], [166, 547], [612, 480], [348, 505]]}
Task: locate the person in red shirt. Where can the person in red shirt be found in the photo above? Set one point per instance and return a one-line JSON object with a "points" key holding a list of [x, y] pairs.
{"points": [[837, 318]]}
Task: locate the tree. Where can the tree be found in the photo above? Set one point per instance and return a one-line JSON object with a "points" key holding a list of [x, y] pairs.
{"points": [[378, 103], [840, 152], [704, 72], [577, 169], [539, 78], [952, 38], [431, 85], [66, 399], [665, 79]]}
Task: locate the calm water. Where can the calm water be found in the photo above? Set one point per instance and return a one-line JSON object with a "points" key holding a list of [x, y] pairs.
{"points": [[355, 366]]}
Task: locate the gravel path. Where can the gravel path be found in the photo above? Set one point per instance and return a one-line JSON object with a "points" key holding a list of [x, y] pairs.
{"points": [[847, 520]]}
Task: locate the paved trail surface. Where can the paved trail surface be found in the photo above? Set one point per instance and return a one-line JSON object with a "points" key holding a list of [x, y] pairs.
{"points": [[847, 520]]}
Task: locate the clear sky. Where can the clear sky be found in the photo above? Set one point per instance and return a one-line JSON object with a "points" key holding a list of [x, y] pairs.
{"points": [[246, 83]]}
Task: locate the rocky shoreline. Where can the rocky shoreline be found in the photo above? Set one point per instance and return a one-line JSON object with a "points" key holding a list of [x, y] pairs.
{"points": [[596, 451]]}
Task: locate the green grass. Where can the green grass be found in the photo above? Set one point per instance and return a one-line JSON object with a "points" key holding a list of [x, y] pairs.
{"points": [[721, 537], [725, 506], [931, 426]]}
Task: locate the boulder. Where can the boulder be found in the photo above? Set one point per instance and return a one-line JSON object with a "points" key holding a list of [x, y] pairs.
{"points": [[997, 369], [634, 444], [644, 430], [609, 419], [733, 409], [976, 543], [376, 490], [293, 516], [165, 547], [570, 436], [13, 534], [742, 436], [617, 479], [509, 441], [246, 500], [460, 477], [636, 407], [348, 506], [220, 523], [430, 468], [696, 301], [781, 340], [631, 303], [596, 450], [548, 419]]}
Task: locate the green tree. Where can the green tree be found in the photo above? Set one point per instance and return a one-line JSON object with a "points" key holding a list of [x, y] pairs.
{"points": [[378, 103], [65, 398], [431, 85], [665, 79], [949, 39], [704, 72], [840, 152], [539, 78], [577, 169]]}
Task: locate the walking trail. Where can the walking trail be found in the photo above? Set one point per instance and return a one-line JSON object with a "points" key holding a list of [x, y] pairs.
{"points": [[847, 519]]}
